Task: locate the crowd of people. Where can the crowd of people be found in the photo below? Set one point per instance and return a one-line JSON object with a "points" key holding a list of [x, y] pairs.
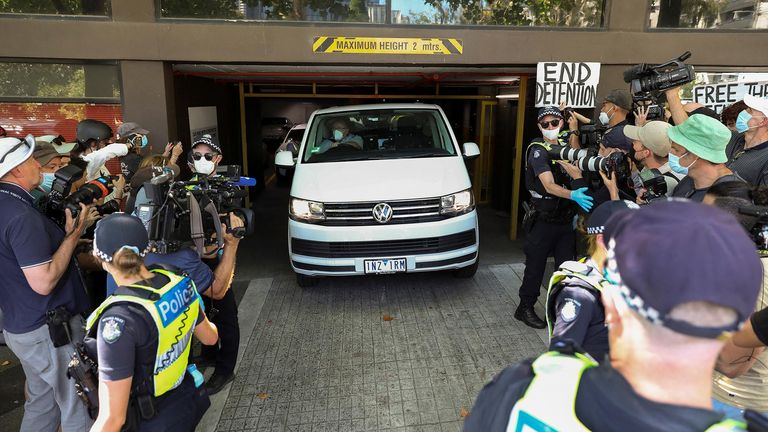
{"points": [[661, 325], [91, 286]]}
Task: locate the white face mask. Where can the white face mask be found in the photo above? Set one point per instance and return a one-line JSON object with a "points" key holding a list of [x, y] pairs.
{"points": [[337, 134], [550, 134], [604, 118], [203, 166]]}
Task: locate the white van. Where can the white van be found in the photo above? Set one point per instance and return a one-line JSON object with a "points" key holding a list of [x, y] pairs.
{"points": [[381, 189]]}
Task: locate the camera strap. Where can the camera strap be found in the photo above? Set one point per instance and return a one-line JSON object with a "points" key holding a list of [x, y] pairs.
{"points": [[196, 224]]}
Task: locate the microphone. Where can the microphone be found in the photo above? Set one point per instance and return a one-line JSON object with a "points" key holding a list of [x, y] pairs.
{"points": [[244, 181]]}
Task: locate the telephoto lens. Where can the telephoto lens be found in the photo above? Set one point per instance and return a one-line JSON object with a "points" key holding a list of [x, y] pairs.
{"points": [[94, 190]]}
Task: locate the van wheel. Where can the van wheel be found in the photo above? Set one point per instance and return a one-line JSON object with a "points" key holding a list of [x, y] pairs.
{"points": [[468, 271], [305, 281]]}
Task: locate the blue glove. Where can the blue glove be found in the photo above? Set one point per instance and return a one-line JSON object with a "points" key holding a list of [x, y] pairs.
{"points": [[582, 199]]}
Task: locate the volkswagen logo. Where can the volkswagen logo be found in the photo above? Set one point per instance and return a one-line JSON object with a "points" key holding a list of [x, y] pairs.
{"points": [[382, 213]]}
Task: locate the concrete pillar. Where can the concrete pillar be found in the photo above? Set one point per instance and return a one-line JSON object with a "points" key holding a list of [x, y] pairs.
{"points": [[148, 99]]}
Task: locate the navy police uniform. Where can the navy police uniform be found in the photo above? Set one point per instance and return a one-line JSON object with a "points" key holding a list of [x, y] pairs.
{"points": [[552, 232]]}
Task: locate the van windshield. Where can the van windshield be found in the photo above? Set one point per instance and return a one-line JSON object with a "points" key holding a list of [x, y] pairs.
{"points": [[378, 134]]}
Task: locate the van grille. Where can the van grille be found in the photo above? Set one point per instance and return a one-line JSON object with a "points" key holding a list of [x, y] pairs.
{"points": [[403, 212], [383, 248]]}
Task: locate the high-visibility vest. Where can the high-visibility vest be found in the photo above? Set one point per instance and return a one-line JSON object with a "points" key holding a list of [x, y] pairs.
{"points": [[549, 402], [580, 273], [174, 309]]}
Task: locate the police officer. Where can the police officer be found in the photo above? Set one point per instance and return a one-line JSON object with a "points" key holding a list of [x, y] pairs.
{"points": [[143, 336], [549, 223], [204, 159], [574, 309], [668, 315]]}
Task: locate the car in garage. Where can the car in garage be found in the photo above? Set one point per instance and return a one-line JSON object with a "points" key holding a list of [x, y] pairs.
{"points": [[273, 131], [381, 189]]}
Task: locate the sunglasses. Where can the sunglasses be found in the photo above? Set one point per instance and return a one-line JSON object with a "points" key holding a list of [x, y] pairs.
{"points": [[554, 123], [207, 156]]}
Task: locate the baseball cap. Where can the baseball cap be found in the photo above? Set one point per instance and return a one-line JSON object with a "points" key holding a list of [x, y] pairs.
{"points": [[44, 152], [757, 103], [130, 128], [707, 257], [58, 143], [207, 140], [550, 110], [653, 136], [14, 151], [703, 136], [614, 138], [119, 231], [620, 98], [600, 216]]}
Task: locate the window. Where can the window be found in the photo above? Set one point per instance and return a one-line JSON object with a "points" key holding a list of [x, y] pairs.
{"points": [[558, 13], [59, 7], [378, 134], [50, 98], [709, 14]]}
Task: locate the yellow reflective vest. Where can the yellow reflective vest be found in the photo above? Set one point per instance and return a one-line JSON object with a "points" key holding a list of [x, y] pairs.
{"points": [[174, 309], [549, 402]]}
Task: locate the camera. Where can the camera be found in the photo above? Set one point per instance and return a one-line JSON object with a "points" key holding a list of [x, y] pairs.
{"points": [[182, 213], [759, 231], [592, 135], [60, 198], [644, 79], [587, 160], [653, 181]]}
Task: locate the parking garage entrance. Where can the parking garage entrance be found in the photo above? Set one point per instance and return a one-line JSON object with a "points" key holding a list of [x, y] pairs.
{"points": [[259, 109]]}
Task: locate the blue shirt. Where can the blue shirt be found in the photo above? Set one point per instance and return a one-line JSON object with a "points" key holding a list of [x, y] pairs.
{"points": [[185, 259], [29, 239]]}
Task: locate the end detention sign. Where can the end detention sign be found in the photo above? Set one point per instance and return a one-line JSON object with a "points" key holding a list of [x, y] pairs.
{"points": [[374, 45]]}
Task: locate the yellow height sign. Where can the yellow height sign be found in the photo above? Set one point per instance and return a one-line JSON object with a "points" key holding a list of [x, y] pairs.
{"points": [[373, 45]]}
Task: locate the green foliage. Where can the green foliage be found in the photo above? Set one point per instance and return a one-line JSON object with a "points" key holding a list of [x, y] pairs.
{"points": [[546, 13], [42, 80], [57, 7], [221, 9]]}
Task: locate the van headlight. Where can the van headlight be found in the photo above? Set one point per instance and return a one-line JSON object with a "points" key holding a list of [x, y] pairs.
{"points": [[458, 203], [306, 211]]}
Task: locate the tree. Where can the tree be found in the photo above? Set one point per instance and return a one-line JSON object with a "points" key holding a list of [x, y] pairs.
{"points": [[223, 9], [358, 11], [59, 7]]}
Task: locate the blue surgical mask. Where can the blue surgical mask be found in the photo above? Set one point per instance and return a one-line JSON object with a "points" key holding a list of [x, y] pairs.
{"points": [[47, 182], [337, 134], [144, 141], [674, 164]]}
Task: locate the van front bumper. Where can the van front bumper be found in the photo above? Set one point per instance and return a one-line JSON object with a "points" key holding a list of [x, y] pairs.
{"points": [[317, 250]]}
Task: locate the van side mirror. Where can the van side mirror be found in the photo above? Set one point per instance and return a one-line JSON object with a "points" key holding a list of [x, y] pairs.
{"points": [[471, 151], [284, 159]]}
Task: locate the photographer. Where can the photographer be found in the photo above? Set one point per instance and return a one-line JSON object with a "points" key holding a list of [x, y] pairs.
{"points": [[748, 150], [614, 110], [650, 150], [698, 152], [142, 340], [548, 221], [205, 157], [41, 293], [739, 381], [50, 161], [135, 137]]}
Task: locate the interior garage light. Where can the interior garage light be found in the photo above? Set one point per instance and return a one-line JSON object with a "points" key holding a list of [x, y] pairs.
{"points": [[508, 96]]}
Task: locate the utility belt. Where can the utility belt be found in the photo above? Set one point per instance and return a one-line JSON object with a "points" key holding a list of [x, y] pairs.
{"points": [[142, 404], [547, 209]]}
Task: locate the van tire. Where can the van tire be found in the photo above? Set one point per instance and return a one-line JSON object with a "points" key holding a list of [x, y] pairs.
{"points": [[305, 281], [468, 271]]}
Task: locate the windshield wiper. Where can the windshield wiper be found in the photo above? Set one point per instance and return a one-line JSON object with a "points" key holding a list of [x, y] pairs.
{"points": [[422, 155]]}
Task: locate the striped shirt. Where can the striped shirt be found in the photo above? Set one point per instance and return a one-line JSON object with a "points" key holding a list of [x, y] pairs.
{"points": [[751, 164]]}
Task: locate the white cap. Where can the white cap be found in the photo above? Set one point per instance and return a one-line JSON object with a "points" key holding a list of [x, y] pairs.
{"points": [[757, 103], [14, 151]]}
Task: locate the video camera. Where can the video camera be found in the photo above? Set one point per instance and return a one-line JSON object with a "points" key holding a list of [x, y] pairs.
{"points": [[646, 82], [587, 160], [180, 213], [644, 79], [61, 198]]}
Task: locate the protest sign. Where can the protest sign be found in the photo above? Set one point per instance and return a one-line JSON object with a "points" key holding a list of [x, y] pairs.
{"points": [[572, 83]]}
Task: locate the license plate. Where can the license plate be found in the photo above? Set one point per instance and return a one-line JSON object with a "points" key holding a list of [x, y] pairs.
{"points": [[392, 265]]}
